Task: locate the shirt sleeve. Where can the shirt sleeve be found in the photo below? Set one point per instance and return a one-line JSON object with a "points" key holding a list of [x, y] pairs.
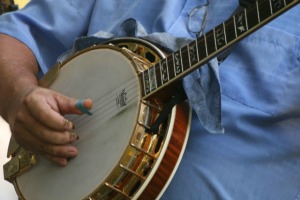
{"points": [[48, 27]]}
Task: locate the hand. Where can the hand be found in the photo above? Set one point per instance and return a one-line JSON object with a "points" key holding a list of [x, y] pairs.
{"points": [[38, 125]]}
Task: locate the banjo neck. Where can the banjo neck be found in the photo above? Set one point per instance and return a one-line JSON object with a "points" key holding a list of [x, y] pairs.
{"points": [[161, 77]]}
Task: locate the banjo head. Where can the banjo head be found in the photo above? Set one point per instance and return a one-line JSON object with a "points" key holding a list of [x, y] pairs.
{"points": [[118, 157]]}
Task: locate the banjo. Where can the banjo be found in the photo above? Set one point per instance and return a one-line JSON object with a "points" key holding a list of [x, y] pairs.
{"points": [[125, 152]]}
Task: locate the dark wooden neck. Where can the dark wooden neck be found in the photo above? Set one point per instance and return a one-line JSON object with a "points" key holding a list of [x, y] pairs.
{"points": [[177, 65]]}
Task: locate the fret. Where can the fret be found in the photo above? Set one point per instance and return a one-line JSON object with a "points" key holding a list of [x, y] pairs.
{"points": [[214, 31], [220, 37], [210, 41], [202, 53], [189, 59], [178, 66], [257, 10], [185, 58], [214, 34], [170, 64], [264, 10], [225, 36], [146, 82], [240, 22], [252, 17], [164, 71], [246, 19], [230, 30], [235, 33], [205, 41], [193, 53], [158, 75], [271, 9], [196, 46]]}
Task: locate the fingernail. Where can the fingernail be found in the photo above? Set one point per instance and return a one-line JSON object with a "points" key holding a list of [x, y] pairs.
{"points": [[68, 124], [72, 153], [72, 136], [63, 162]]}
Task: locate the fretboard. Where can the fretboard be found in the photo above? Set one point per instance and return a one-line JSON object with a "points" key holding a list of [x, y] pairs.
{"points": [[192, 56]]}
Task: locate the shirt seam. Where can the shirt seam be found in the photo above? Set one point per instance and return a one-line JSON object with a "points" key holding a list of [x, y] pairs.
{"points": [[244, 104]]}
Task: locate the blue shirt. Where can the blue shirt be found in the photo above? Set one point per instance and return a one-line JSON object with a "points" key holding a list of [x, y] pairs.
{"points": [[258, 157]]}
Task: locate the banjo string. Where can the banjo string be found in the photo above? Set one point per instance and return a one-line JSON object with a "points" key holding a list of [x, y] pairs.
{"points": [[81, 126], [108, 102], [102, 112]]}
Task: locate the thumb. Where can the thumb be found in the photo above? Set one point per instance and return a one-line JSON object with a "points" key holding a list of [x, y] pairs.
{"points": [[84, 105], [67, 105]]}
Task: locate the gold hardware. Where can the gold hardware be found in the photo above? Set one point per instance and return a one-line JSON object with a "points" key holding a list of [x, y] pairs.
{"points": [[18, 165], [143, 151], [12, 148], [131, 171], [117, 190], [151, 105]]}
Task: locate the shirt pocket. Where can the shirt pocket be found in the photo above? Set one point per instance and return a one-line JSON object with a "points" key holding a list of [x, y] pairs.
{"points": [[263, 71]]}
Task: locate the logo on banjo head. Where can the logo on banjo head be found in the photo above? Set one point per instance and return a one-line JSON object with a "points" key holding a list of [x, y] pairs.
{"points": [[121, 99]]}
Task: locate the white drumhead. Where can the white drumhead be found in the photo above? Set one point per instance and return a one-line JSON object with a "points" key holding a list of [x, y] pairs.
{"points": [[108, 78]]}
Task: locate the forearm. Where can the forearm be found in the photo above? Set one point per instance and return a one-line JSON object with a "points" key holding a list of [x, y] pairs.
{"points": [[18, 72]]}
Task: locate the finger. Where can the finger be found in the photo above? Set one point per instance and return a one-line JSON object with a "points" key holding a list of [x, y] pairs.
{"points": [[49, 135], [54, 137], [50, 112], [84, 106], [58, 160], [46, 149], [67, 105], [38, 130], [88, 104], [58, 151], [27, 140], [45, 110]]}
